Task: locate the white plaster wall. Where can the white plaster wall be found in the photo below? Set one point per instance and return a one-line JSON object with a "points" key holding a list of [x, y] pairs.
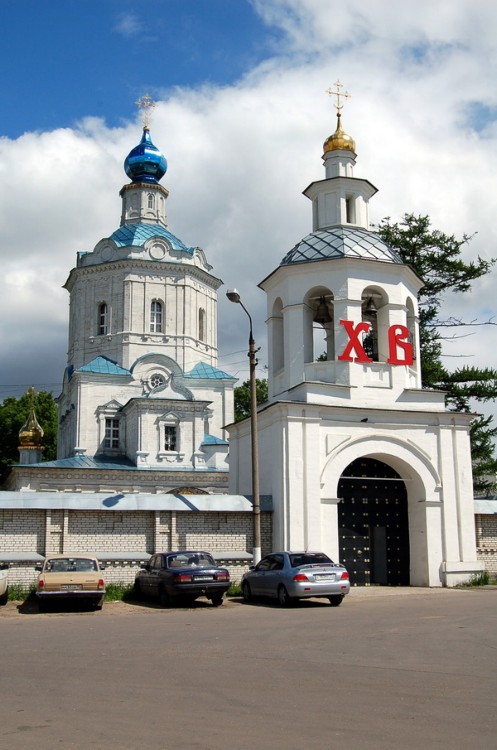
{"points": [[426, 450]]}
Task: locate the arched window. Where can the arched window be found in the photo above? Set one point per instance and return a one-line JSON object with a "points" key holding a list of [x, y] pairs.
{"points": [[102, 323], [201, 324], [150, 200], [156, 316], [278, 336]]}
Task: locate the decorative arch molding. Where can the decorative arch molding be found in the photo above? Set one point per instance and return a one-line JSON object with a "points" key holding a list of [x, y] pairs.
{"points": [[412, 464], [161, 364], [161, 360]]}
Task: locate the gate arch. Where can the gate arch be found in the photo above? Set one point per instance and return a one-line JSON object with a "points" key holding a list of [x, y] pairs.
{"points": [[423, 487]]}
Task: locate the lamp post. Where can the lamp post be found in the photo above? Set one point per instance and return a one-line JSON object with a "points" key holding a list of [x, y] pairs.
{"points": [[234, 296]]}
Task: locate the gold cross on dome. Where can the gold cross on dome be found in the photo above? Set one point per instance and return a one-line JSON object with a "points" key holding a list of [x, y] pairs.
{"points": [[338, 94], [146, 104]]}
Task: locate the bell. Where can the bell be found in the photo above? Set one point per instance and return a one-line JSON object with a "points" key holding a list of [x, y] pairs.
{"points": [[370, 308], [322, 314]]}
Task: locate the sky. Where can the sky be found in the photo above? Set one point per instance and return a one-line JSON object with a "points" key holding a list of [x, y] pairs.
{"points": [[241, 117]]}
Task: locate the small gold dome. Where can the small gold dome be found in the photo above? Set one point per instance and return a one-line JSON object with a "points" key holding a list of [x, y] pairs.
{"points": [[339, 141], [31, 433]]}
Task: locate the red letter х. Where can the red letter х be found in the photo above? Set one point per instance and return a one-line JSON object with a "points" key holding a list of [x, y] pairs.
{"points": [[354, 343], [398, 335]]}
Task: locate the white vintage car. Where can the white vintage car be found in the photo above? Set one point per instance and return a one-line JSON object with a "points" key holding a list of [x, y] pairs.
{"points": [[4, 583]]}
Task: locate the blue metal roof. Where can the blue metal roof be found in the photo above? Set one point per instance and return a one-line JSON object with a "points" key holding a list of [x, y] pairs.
{"points": [[109, 462], [212, 440], [341, 242], [136, 235], [89, 462], [104, 366], [202, 370]]}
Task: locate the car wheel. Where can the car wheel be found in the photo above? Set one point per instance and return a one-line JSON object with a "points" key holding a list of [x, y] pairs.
{"points": [[137, 591], [246, 592], [335, 601], [164, 598], [283, 597], [217, 600], [4, 598]]}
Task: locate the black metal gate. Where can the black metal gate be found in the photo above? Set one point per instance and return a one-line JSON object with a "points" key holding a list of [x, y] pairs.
{"points": [[373, 524]]}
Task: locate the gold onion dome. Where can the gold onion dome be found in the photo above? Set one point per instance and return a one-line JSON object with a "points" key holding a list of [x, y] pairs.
{"points": [[339, 141], [31, 433]]}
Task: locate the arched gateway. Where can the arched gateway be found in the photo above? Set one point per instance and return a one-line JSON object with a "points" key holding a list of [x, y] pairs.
{"points": [[373, 524]]}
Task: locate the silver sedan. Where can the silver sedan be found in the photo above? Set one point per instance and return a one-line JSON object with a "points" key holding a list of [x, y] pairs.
{"points": [[289, 576]]}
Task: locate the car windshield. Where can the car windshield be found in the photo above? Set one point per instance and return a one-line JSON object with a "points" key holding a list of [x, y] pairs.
{"points": [[310, 558], [70, 565], [190, 560]]}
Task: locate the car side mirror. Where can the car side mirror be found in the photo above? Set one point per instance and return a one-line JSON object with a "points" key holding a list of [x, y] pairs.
{"points": [[251, 567]]}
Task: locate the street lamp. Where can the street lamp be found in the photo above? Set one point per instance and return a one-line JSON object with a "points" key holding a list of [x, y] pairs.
{"points": [[233, 296]]}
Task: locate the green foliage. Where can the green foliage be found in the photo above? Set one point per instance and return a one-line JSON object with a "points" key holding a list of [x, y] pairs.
{"points": [[13, 415], [117, 592], [19, 592], [436, 258], [482, 578], [242, 397]]}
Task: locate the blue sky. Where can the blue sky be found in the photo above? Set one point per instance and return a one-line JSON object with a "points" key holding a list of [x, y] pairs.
{"points": [[63, 60], [241, 117]]}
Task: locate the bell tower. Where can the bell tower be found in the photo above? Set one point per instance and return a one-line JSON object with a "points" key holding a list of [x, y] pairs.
{"points": [[342, 306]]}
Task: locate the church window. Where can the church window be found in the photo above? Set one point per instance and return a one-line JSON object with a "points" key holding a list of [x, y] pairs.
{"points": [[156, 316], [350, 210], [156, 380], [111, 433], [150, 200], [170, 437], [201, 324], [103, 326]]}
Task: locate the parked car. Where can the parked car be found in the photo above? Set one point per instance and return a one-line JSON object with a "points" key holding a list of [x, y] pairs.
{"points": [[288, 576], [4, 583], [182, 575], [70, 576]]}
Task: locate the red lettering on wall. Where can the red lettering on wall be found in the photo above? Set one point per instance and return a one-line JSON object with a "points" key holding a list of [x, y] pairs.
{"points": [[398, 338], [354, 344]]}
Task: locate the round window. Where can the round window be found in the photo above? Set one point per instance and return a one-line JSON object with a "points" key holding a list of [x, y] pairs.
{"points": [[157, 379]]}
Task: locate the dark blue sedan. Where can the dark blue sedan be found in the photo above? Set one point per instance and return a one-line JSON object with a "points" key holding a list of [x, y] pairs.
{"points": [[183, 575]]}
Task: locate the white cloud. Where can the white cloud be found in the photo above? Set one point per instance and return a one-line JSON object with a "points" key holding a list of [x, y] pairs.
{"points": [[240, 156], [128, 25]]}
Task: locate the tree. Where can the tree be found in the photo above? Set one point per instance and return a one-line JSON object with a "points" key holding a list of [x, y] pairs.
{"points": [[13, 415], [242, 397], [436, 258]]}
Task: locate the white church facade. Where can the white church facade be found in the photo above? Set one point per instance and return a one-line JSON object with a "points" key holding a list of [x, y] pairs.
{"points": [[359, 460]]}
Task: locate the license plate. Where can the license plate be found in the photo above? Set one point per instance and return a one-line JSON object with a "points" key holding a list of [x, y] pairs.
{"points": [[71, 587], [325, 577], [203, 578]]}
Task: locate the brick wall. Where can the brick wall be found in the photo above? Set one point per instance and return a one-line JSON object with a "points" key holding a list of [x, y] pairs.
{"points": [[486, 541], [27, 535]]}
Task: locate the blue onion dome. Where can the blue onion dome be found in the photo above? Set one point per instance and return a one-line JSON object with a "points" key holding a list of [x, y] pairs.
{"points": [[145, 163]]}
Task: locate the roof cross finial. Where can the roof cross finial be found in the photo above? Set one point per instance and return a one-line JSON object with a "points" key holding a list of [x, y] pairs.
{"points": [[146, 104], [338, 95]]}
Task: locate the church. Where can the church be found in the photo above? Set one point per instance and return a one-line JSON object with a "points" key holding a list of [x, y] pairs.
{"points": [[356, 458]]}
